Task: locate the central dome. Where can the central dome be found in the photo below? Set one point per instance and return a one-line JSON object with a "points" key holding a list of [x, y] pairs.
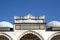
{"points": [[6, 24], [53, 24]]}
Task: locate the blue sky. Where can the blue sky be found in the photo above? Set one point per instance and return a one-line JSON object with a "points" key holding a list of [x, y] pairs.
{"points": [[49, 8]]}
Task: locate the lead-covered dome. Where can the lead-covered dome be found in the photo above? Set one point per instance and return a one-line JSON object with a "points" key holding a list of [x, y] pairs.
{"points": [[6, 24], [53, 24]]}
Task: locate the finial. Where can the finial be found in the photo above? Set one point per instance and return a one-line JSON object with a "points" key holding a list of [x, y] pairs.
{"points": [[29, 15]]}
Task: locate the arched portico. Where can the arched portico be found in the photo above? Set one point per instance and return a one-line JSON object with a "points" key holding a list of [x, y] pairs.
{"points": [[30, 35]]}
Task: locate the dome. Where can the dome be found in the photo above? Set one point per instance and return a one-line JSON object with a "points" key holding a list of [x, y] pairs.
{"points": [[53, 24], [6, 24]]}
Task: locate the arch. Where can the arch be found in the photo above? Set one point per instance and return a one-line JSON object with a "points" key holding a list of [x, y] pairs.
{"points": [[31, 32], [5, 36], [54, 36]]}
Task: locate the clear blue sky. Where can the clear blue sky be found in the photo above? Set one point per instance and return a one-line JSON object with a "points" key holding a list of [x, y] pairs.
{"points": [[49, 8]]}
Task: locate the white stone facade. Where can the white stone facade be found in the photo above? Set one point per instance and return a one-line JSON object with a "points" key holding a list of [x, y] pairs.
{"points": [[27, 22]]}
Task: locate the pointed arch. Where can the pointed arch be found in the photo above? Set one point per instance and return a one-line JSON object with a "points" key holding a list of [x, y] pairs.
{"points": [[31, 33]]}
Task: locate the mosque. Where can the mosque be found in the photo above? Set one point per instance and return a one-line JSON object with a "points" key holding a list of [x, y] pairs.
{"points": [[30, 27]]}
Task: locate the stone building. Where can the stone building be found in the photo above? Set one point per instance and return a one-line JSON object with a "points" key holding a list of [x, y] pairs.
{"points": [[29, 28]]}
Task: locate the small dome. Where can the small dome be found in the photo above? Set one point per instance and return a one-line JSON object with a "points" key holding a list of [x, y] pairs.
{"points": [[6, 24], [53, 24]]}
